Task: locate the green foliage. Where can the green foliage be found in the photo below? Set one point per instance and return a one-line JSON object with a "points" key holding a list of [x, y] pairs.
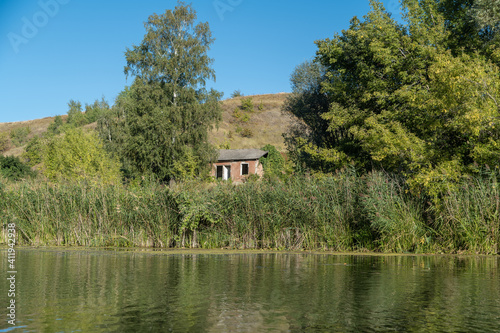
{"points": [[55, 127], [96, 111], [247, 104], [395, 216], [246, 132], [308, 103], [245, 118], [469, 219], [85, 214], [237, 113], [168, 108], [76, 117], [225, 145], [408, 99], [187, 166], [4, 142], [273, 163], [78, 155], [14, 169], [19, 136], [237, 93], [261, 106], [341, 212], [113, 131], [34, 150]]}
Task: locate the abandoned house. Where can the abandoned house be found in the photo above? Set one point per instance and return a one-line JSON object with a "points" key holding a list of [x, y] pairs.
{"points": [[237, 164]]}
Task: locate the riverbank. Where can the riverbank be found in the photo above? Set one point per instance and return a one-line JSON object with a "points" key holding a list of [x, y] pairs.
{"points": [[343, 213], [227, 251]]}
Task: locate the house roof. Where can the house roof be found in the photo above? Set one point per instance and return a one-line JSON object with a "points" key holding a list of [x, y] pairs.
{"points": [[240, 154]]}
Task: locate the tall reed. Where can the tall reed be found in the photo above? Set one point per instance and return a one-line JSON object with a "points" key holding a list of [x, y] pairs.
{"points": [[342, 212], [85, 215], [469, 219], [299, 213], [395, 215]]}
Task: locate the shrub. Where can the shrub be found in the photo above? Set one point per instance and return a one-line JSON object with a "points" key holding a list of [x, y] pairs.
{"points": [[273, 163], [246, 133], [78, 155], [55, 126], [13, 169], [4, 142], [396, 216], [237, 113], [247, 104], [245, 118], [237, 93], [19, 136]]}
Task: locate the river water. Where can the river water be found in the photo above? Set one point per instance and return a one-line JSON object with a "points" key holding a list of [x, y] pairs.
{"points": [[117, 291]]}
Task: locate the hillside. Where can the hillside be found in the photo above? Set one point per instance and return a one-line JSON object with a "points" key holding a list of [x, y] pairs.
{"points": [[264, 125]]}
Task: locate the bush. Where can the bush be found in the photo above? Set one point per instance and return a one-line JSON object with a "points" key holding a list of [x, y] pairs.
{"points": [[247, 105], [261, 106], [237, 93], [55, 127], [78, 155], [13, 168], [19, 136], [246, 133], [237, 113], [273, 163], [4, 142]]}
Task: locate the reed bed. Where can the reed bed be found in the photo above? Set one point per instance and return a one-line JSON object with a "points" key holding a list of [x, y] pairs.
{"points": [[343, 212]]}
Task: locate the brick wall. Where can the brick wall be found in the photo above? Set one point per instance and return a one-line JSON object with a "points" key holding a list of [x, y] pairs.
{"points": [[254, 167]]}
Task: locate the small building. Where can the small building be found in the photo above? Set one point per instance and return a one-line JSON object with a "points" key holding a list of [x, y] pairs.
{"points": [[238, 164]]}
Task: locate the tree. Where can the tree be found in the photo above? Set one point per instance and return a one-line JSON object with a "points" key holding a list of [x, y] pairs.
{"points": [[307, 102], [76, 117], [78, 155], [168, 107], [95, 111], [274, 164], [55, 127], [407, 98]]}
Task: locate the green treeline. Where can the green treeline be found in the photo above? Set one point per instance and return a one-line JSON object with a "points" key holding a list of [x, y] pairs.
{"points": [[343, 212], [409, 111]]}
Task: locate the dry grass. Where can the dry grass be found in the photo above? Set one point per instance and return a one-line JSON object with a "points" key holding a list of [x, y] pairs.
{"points": [[36, 126], [267, 125]]}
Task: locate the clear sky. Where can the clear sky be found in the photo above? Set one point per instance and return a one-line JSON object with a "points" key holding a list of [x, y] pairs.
{"points": [[52, 51]]}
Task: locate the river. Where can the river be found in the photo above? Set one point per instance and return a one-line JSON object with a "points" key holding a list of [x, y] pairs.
{"points": [[194, 291]]}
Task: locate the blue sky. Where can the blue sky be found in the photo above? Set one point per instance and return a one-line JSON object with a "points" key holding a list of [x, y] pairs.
{"points": [[52, 51]]}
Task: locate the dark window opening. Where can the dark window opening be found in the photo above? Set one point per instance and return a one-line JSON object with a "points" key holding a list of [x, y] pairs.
{"points": [[219, 171], [244, 169]]}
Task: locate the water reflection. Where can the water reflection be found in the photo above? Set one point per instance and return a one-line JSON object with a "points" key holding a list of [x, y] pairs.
{"points": [[98, 291]]}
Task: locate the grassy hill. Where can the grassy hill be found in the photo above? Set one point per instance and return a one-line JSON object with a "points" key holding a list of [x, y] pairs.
{"points": [[265, 123], [238, 129]]}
